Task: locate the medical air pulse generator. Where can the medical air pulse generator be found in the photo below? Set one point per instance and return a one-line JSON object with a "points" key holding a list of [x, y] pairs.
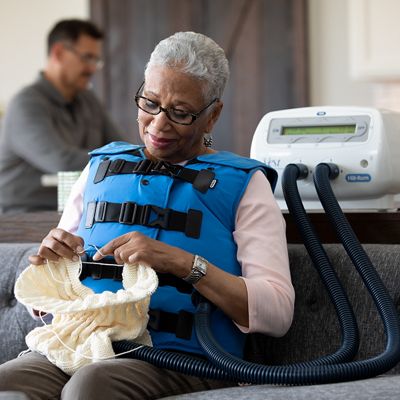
{"points": [[363, 142]]}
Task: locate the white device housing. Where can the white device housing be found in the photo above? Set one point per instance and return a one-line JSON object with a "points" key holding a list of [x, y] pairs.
{"points": [[363, 142]]}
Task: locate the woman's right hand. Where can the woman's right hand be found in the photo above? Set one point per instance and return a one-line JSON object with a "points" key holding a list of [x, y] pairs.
{"points": [[58, 243]]}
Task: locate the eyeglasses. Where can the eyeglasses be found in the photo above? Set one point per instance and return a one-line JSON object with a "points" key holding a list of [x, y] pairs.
{"points": [[176, 115], [87, 59]]}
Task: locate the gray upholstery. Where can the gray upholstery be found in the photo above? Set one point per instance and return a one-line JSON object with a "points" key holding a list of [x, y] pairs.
{"points": [[382, 388], [314, 332], [15, 321]]}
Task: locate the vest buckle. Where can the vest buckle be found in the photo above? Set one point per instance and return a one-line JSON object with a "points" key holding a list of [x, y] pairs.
{"points": [[116, 166], [143, 167], [162, 219], [128, 213], [100, 213]]}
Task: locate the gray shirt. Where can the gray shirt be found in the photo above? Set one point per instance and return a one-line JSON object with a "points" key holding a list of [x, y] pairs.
{"points": [[42, 134]]}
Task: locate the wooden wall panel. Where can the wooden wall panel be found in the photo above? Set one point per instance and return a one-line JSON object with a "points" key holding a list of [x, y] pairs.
{"points": [[265, 41]]}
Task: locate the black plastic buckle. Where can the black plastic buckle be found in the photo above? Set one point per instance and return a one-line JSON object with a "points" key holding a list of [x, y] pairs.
{"points": [[90, 214], [180, 324], [116, 166], [173, 170], [128, 213], [100, 214], [162, 220], [143, 167], [158, 166]]}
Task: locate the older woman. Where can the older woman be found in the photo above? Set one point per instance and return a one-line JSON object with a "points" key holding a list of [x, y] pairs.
{"points": [[201, 218]]}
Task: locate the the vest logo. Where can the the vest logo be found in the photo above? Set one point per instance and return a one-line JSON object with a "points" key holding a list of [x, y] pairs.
{"points": [[358, 178]]}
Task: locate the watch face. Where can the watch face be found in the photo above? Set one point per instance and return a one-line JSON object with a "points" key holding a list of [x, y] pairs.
{"points": [[201, 264], [199, 269]]}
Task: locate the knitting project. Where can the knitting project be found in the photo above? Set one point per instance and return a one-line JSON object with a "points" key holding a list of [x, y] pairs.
{"points": [[84, 323]]}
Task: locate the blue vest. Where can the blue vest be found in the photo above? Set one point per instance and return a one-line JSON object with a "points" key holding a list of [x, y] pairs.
{"points": [[216, 205]]}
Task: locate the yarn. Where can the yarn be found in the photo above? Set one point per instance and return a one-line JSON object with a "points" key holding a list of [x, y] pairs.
{"points": [[84, 323]]}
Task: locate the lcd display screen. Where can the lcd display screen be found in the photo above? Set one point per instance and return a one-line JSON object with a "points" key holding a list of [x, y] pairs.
{"points": [[319, 130]]}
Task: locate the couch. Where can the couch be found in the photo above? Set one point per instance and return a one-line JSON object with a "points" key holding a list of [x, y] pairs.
{"points": [[315, 330]]}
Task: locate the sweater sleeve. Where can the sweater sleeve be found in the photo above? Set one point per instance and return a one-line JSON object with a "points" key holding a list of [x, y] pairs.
{"points": [[33, 136], [69, 221], [262, 253], [73, 210]]}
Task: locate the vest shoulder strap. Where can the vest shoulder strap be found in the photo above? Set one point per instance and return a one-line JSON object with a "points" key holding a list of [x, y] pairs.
{"points": [[227, 158], [201, 180]]}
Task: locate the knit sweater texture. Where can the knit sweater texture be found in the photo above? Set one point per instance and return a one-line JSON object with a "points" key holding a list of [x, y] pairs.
{"points": [[84, 324]]}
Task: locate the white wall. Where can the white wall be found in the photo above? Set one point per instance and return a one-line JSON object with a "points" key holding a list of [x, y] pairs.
{"points": [[24, 25], [330, 81]]}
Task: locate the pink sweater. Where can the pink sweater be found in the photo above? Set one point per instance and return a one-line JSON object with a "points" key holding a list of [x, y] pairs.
{"points": [[262, 252]]}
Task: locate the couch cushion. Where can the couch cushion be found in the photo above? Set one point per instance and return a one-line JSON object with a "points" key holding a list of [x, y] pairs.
{"points": [[315, 329], [382, 388], [15, 320]]}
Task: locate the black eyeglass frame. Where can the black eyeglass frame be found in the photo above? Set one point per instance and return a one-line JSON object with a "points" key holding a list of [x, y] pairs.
{"points": [[86, 58], [166, 110]]}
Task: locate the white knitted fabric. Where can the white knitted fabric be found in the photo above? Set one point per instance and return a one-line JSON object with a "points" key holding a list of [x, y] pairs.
{"points": [[84, 324]]}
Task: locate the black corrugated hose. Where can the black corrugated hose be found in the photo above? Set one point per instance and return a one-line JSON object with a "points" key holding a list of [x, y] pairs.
{"points": [[230, 368], [178, 362], [344, 311]]}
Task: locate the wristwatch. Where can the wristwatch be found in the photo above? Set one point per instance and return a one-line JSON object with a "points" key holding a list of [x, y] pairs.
{"points": [[199, 269]]}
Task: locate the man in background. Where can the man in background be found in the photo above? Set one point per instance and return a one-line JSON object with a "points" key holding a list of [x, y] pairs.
{"points": [[50, 125]]}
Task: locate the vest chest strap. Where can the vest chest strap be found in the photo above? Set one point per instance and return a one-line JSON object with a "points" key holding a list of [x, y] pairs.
{"points": [[131, 213], [180, 324], [201, 180], [107, 269]]}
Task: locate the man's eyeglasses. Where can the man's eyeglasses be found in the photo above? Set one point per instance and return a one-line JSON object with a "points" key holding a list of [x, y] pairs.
{"points": [[176, 115], [88, 59]]}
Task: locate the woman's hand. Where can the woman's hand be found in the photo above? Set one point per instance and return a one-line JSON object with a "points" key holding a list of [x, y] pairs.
{"points": [[134, 247], [58, 243], [226, 291]]}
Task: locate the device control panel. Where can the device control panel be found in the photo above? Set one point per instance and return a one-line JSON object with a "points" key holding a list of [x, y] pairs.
{"points": [[328, 129]]}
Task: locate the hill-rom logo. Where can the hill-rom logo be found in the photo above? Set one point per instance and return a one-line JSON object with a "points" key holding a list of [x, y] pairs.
{"points": [[358, 178]]}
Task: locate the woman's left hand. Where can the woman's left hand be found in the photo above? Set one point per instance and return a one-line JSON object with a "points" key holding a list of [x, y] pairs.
{"points": [[134, 248]]}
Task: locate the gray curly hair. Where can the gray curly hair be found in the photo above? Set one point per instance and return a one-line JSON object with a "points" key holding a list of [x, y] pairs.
{"points": [[196, 55]]}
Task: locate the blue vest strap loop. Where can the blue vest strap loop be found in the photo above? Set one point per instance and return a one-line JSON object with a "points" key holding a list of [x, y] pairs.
{"points": [[131, 213], [201, 180]]}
